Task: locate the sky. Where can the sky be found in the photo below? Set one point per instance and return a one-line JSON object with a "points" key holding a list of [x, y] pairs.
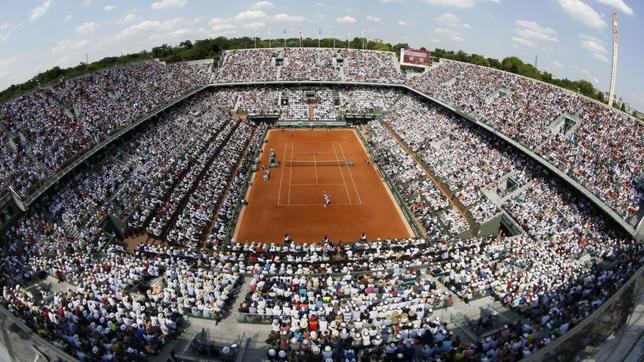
{"points": [[572, 38]]}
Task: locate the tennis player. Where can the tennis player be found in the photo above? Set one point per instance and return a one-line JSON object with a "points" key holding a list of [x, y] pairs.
{"points": [[327, 199]]}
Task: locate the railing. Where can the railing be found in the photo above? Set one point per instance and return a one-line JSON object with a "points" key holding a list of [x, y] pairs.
{"points": [[39, 344], [597, 327]]}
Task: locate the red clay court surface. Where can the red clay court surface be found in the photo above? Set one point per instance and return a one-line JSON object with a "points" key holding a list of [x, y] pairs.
{"points": [[292, 200]]}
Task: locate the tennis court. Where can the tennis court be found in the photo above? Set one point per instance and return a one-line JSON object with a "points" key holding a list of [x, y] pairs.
{"points": [[314, 163], [312, 169]]}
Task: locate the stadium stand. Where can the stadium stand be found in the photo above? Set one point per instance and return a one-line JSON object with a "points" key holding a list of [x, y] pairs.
{"points": [[598, 146], [50, 127], [181, 180], [311, 64]]}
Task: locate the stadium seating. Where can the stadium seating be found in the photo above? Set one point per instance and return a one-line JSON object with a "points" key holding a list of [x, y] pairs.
{"points": [[181, 181], [600, 149], [52, 126], [310, 64]]}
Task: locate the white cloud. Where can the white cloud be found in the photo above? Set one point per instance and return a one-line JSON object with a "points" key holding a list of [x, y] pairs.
{"points": [[459, 3], [288, 18], [6, 29], [109, 7], [582, 12], [402, 23], [452, 26], [375, 19], [182, 33], [40, 10], [167, 4], [249, 15], [595, 46], [129, 16], [590, 75], [450, 20], [556, 64], [254, 25], [85, 28], [532, 30], [69, 46], [446, 31], [618, 4], [151, 26], [347, 19], [68, 17], [221, 25], [262, 5], [320, 4], [523, 42]]}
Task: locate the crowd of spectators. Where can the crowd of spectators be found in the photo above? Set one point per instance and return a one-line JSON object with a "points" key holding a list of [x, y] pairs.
{"points": [[601, 148], [308, 64], [182, 178], [52, 126]]}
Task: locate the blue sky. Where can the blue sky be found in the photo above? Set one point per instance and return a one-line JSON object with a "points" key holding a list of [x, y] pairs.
{"points": [[572, 38]]}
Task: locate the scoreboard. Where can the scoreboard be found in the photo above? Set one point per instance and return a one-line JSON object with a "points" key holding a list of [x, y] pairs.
{"points": [[416, 57]]}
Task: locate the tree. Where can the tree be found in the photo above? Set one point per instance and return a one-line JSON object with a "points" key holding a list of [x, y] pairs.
{"points": [[399, 46], [529, 70], [479, 60], [494, 63], [380, 46], [600, 97], [511, 64]]}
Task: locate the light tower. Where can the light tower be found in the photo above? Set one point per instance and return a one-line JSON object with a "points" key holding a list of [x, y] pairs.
{"points": [[613, 71]]}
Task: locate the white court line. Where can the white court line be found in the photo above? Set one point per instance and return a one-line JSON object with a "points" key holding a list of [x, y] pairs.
{"points": [[308, 152], [290, 175], [315, 167], [319, 142], [341, 173], [330, 205], [350, 174], [318, 184], [279, 193]]}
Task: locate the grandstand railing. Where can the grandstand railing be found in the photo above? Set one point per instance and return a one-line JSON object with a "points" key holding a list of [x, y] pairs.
{"points": [[596, 328], [42, 347]]}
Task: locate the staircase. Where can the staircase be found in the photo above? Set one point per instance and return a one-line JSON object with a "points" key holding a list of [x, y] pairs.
{"points": [[39, 164]]}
